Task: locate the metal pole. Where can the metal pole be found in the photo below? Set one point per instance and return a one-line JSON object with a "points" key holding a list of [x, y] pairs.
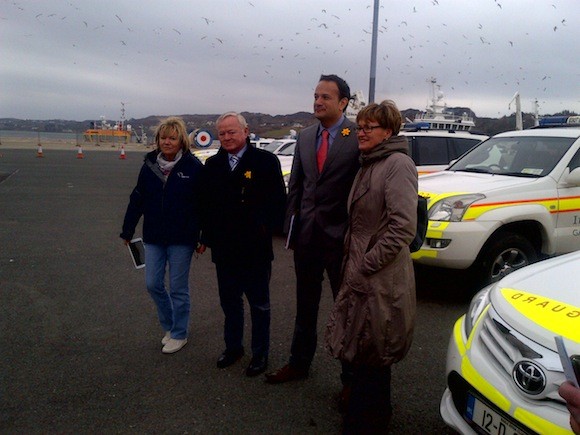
{"points": [[373, 73]]}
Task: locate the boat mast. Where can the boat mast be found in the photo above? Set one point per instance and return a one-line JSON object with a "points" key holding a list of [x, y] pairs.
{"points": [[519, 121], [122, 121]]}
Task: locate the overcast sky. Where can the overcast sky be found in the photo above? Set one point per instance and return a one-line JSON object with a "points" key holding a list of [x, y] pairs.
{"points": [[78, 60]]}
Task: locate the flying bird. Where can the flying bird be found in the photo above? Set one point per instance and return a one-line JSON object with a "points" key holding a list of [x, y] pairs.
{"points": [[176, 31], [119, 18]]}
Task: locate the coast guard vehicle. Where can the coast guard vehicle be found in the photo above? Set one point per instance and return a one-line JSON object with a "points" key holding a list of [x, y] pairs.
{"points": [[503, 364], [508, 202]]}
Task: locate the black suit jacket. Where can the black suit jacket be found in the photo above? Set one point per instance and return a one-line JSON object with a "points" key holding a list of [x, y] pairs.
{"points": [[242, 208], [320, 199]]}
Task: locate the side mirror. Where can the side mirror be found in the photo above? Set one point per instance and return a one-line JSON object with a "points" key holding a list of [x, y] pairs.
{"points": [[573, 177]]}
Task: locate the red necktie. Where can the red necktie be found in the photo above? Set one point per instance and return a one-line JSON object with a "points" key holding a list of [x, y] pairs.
{"points": [[322, 150]]}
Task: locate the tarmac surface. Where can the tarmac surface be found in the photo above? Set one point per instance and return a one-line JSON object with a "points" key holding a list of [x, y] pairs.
{"points": [[80, 342]]}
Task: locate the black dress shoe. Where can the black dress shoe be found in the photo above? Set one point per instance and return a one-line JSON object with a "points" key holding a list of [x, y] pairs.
{"points": [[257, 365], [227, 358]]}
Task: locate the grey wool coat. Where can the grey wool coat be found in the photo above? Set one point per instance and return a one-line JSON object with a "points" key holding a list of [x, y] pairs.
{"points": [[373, 317]]}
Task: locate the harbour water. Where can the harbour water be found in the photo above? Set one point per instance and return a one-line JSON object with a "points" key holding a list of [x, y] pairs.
{"points": [[44, 136]]}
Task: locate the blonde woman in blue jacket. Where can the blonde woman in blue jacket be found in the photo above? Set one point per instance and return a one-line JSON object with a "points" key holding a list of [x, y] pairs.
{"points": [[166, 196]]}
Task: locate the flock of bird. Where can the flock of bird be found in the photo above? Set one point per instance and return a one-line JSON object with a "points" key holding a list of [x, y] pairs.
{"points": [[276, 54]]}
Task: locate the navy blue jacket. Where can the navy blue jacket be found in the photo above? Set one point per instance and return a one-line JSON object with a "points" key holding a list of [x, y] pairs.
{"points": [[243, 207], [170, 209]]}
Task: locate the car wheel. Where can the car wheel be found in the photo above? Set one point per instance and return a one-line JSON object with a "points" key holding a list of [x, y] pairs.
{"points": [[504, 254]]}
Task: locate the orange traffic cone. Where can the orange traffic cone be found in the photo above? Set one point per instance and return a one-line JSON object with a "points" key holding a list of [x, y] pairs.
{"points": [[39, 152], [122, 156], [80, 154]]}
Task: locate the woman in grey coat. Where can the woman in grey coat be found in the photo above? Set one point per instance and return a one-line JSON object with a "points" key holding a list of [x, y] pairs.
{"points": [[371, 324]]}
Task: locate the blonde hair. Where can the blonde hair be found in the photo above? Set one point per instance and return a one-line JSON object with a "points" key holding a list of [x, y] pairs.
{"points": [[386, 114], [173, 124]]}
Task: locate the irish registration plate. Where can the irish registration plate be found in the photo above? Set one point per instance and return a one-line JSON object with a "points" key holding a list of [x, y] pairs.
{"points": [[489, 420]]}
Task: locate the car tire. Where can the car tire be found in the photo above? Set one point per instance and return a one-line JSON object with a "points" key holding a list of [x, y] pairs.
{"points": [[502, 255]]}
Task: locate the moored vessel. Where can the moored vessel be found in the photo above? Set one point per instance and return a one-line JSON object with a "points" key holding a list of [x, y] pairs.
{"points": [[120, 132], [437, 116]]}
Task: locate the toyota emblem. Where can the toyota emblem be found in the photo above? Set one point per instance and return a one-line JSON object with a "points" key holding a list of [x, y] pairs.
{"points": [[529, 377]]}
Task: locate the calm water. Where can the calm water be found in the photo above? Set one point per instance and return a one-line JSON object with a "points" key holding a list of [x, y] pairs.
{"points": [[5, 134]]}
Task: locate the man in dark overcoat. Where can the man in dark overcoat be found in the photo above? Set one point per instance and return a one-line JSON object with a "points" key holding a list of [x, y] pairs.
{"points": [[244, 205]]}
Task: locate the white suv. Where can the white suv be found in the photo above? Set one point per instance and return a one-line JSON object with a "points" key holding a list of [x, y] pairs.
{"points": [[433, 150], [506, 203]]}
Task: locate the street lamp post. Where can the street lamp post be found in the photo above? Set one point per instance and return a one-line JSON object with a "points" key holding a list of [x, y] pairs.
{"points": [[373, 73]]}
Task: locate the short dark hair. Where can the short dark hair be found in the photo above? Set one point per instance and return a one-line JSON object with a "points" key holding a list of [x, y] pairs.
{"points": [[386, 114], [343, 88]]}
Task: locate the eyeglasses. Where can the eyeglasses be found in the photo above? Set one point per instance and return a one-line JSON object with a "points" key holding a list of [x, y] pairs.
{"points": [[367, 128]]}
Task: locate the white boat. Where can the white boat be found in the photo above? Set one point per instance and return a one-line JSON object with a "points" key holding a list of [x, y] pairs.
{"points": [[437, 117]]}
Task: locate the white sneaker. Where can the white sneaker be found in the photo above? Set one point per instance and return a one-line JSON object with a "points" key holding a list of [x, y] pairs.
{"points": [[173, 345], [166, 338]]}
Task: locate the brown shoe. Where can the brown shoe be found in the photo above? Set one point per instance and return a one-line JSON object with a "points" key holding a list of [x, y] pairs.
{"points": [[286, 374]]}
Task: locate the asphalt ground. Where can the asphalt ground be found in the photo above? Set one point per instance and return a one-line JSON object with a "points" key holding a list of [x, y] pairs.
{"points": [[80, 344]]}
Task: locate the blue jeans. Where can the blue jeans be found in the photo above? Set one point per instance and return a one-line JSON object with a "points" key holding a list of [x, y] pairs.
{"points": [[172, 306]]}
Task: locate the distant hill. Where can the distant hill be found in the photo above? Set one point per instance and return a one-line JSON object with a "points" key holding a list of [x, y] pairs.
{"points": [[261, 124]]}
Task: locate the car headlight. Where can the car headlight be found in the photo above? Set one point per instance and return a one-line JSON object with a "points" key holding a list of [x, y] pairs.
{"points": [[476, 307], [452, 208]]}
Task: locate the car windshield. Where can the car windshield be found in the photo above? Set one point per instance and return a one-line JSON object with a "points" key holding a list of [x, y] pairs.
{"points": [[519, 156], [287, 150], [273, 146]]}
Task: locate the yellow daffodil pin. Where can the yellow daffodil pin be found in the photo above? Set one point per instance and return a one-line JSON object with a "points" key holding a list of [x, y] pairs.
{"points": [[248, 175], [345, 131]]}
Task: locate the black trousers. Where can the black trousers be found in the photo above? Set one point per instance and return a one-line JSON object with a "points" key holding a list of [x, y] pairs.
{"points": [[310, 262], [369, 407], [253, 280]]}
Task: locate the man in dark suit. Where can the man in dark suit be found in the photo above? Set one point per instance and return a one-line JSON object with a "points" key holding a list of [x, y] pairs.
{"points": [[244, 201], [325, 164]]}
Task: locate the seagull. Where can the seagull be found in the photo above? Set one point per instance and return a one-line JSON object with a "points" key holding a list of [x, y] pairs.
{"points": [[207, 20], [176, 31], [119, 18]]}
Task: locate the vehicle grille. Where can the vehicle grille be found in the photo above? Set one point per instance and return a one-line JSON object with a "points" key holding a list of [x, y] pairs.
{"points": [[506, 348]]}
